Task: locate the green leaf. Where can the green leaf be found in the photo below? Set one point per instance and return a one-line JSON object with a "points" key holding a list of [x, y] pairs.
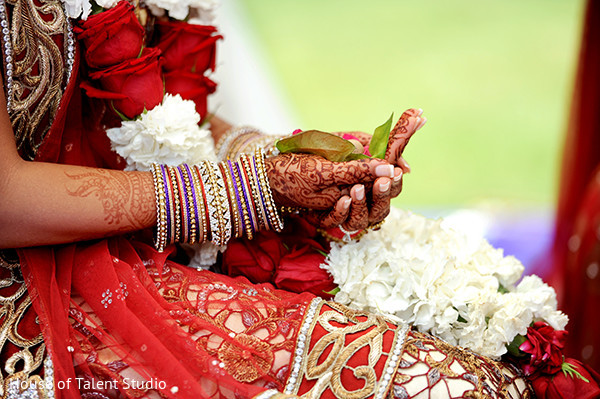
{"points": [[325, 254], [354, 157], [333, 291], [122, 116], [571, 371], [327, 145], [502, 289], [513, 347], [379, 141], [96, 9]]}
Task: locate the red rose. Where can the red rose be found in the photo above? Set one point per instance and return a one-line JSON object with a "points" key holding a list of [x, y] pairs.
{"points": [[545, 345], [133, 85], [566, 386], [112, 36], [255, 259], [300, 271], [190, 86], [187, 47]]}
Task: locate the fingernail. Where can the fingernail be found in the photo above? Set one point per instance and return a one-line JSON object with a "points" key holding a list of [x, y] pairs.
{"points": [[384, 171], [359, 193], [398, 176], [384, 187], [346, 203]]}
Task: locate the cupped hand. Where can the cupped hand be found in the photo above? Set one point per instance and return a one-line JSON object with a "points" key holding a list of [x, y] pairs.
{"points": [[332, 190]]}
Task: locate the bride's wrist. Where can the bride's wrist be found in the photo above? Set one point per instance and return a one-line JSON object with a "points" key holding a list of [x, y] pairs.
{"points": [[213, 202]]}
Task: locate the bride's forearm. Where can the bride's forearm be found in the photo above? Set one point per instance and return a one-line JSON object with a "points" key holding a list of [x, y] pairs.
{"points": [[51, 204]]}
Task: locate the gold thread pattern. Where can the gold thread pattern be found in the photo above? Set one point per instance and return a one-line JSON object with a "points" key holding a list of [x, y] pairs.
{"points": [[38, 69]]}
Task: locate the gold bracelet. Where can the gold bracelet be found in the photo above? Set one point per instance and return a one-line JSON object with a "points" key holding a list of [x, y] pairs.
{"points": [[237, 226], [160, 241], [229, 138], [202, 205], [257, 202], [247, 223], [176, 233], [191, 210], [274, 218]]}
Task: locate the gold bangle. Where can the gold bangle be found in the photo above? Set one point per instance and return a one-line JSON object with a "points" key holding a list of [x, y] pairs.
{"points": [[256, 199], [235, 216], [202, 206], [247, 223], [191, 210], [161, 209], [274, 218], [176, 233]]}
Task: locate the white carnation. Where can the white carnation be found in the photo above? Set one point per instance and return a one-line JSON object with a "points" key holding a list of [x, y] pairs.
{"points": [[107, 3], [201, 11], [167, 134], [78, 8], [422, 272]]}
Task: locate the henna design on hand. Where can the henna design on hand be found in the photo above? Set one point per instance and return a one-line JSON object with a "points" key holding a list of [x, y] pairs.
{"points": [[408, 124], [332, 218], [359, 212], [309, 181], [126, 197]]}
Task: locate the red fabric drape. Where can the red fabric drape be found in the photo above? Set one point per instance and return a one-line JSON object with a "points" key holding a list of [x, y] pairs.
{"points": [[580, 158]]}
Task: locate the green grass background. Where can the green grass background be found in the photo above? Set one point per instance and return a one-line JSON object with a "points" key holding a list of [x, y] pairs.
{"points": [[494, 79]]}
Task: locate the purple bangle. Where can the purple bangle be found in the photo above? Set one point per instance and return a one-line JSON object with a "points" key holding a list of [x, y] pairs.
{"points": [[237, 194], [237, 164], [262, 197], [196, 216], [167, 198], [186, 235]]}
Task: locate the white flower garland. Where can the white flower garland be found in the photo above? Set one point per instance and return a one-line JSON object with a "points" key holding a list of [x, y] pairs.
{"points": [[417, 270]]}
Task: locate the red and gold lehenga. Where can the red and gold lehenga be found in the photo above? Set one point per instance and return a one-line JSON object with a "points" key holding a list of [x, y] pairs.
{"points": [[115, 318]]}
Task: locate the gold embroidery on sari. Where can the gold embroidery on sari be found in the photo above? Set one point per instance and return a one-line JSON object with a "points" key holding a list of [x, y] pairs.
{"points": [[37, 71], [346, 332], [15, 303], [430, 364]]}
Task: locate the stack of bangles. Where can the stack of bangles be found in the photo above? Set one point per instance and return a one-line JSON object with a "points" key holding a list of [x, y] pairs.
{"points": [[213, 202], [244, 139]]}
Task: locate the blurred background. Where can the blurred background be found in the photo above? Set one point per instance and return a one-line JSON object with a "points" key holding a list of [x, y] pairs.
{"points": [[494, 78]]}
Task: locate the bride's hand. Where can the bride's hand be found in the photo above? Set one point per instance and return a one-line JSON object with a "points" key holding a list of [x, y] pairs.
{"points": [[333, 191]]}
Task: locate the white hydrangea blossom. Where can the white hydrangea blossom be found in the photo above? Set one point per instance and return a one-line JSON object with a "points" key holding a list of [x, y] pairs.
{"points": [[419, 271], [168, 134]]}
